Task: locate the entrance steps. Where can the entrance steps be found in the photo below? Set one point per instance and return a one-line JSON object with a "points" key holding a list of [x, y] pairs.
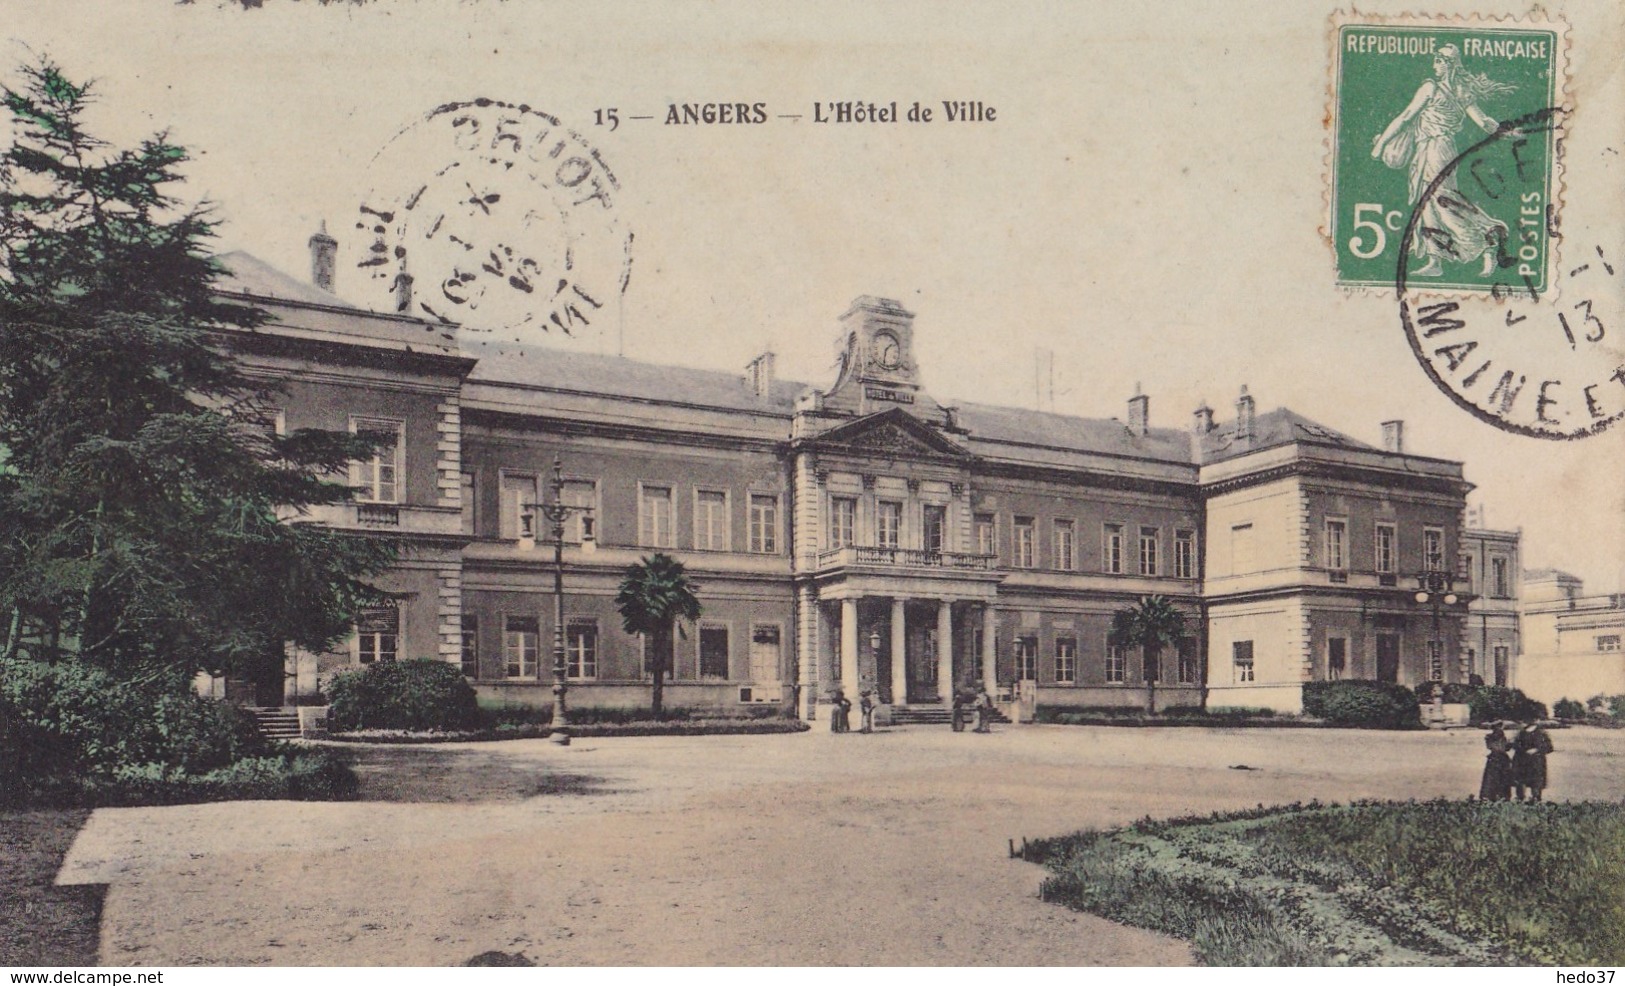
{"points": [[935, 715], [277, 723]]}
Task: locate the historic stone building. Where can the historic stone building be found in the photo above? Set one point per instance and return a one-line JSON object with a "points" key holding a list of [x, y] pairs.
{"points": [[1492, 562], [857, 534], [1574, 644]]}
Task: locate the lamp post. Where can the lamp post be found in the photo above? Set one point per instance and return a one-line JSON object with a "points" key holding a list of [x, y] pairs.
{"points": [[1436, 588], [874, 656], [555, 511]]}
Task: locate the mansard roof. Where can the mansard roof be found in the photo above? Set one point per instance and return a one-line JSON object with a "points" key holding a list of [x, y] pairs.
{"points": [[1271, 428]]}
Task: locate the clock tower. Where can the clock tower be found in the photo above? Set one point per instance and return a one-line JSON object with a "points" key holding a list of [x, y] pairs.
{"points": [[877, 367]]}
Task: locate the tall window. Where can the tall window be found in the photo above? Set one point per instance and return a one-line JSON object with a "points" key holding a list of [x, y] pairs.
{"points": [[1241, 549], [986, 543], [1336, 658], [843, 520], [710, 520], [655, 527], [1241, 652], [764, 523], [1148, 551], [1433, 549], [1500, 583], [378, 634], [1112, 549], [764, 653], [579, 525], [1336, 544], [519, 640], [1190, 665], [1151, 668], [1116, 664], [1065, 546], [1387, 548], [581, 649], [935, 516], [1066, 660], [888, 524], [1184, 554], [1026, 658], [466, 498], [377, 480], [518, 498], [470, 657], [713, 652], [1026, 543]]}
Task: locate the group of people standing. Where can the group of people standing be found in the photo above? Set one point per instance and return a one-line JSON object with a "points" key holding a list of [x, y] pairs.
{"points": [[840, 717], [1514, 765]]}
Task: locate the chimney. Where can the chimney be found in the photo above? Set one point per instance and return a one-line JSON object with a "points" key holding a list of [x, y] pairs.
{"points": [[324, 251], [1244, 416], [403, 292], [1139, 412], [1393, 436], [1202, 419], [759, 373]]}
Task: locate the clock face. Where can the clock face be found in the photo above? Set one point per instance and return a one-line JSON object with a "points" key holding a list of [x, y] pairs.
{"points": [[887, 351]]}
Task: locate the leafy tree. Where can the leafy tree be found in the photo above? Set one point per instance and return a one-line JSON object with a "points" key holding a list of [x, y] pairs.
{"points": [[653, 596], [1152, 625], [145, 500]]}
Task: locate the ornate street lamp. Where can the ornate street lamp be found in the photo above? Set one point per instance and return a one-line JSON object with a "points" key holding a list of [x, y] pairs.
{"points": [[874, 655], [1436, 588], [556, 511]]}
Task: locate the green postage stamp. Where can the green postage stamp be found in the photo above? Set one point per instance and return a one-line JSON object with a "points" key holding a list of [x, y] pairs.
{"points": [[1444, 156]]}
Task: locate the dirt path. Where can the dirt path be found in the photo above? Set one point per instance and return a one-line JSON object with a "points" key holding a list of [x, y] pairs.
{"points": [[802, 849]]}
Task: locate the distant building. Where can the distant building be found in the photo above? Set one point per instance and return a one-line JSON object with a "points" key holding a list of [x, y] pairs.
{"points": [[1572, 642], [857, 534], [1491, 562]]}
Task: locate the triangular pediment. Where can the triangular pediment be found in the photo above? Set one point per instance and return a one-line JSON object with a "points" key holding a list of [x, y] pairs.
{"points": [[894, 434]]}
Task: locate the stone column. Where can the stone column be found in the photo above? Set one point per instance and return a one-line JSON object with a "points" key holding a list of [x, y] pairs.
{"points": [[849, 649], [899, 653], [945, 650], [990, 652]]}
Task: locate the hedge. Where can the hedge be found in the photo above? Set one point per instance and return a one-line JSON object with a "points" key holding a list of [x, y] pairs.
{"points": [[411, 695], [1492, 703], [1362, 704], [715, 726]]}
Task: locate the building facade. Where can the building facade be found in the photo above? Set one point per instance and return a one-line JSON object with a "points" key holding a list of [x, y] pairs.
{"points": [[854, 536], [1574, 643], [1492, 563]]}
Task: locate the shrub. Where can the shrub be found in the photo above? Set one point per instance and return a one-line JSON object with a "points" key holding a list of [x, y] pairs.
{"points": [[1456, 693], [1568, 708], [419, 695], [1490, 703], [1364, 704]]}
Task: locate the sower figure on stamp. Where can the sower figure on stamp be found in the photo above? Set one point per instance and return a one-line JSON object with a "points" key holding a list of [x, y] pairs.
{"points": [[1529, 750], [1422, 138], [1497, 782]]}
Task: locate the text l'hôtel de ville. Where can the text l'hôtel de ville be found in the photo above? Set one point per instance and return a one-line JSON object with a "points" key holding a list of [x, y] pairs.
{"points": [[841, 111]]}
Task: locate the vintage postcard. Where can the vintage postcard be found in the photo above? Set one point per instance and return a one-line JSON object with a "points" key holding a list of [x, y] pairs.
{"points": [[691, 484]]}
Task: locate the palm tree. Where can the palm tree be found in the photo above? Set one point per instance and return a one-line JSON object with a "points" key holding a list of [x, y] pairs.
{"points": [[653, 596], [1151, 626]]}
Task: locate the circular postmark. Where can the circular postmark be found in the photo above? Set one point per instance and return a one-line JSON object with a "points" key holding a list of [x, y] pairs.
{"points": [[497, 217], [1516, 356]]}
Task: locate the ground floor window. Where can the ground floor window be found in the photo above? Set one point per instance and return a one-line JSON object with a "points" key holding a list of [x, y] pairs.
{"points": [[1190, 665], [1152, 669], [1026, 658], [713, 652], [520, 635], [1066, 660], [581, 649], [378, 634], [1242, 654], [1116, 664], [470, 654], [764, 653], [1336, 658], [1501, 660]]}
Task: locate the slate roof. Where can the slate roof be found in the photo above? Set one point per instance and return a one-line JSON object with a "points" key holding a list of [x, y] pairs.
{"points": [[590, 373], [1277, 427], [991, 423], [247, 274]]}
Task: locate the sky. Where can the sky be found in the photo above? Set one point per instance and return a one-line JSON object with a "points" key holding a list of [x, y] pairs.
{"points": [[1147, 204]]}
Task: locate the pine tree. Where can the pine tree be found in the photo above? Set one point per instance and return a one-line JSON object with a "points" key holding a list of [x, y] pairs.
{"points": [[148, 511]]}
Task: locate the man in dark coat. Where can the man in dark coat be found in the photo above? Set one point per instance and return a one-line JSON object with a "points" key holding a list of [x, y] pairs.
{"points": [[1529, 750]]}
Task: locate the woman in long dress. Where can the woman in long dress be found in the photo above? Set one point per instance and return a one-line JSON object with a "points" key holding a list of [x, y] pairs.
{"points": [[1423, 140], [1497, 782]]}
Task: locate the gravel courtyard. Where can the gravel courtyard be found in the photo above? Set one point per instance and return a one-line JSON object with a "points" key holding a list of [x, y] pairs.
{"points": [[802, 849]]}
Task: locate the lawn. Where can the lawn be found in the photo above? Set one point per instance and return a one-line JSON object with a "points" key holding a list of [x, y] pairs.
{"points": [[1419, 883], [42, 924]]}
